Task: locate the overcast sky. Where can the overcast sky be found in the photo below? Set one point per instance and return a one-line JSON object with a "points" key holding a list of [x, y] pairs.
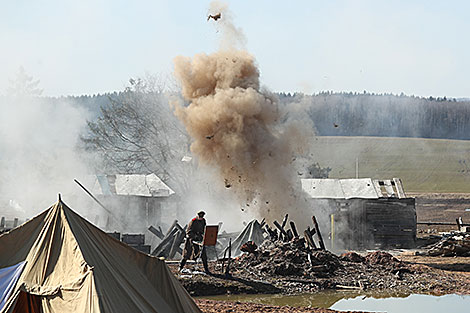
{"points": [[95, 46]]}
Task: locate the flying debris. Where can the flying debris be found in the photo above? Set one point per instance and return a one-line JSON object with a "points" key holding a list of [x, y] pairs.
{"points": [[215, 17]]}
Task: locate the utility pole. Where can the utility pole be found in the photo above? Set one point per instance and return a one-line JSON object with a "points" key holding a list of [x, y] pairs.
{"points": [[357, 167]]}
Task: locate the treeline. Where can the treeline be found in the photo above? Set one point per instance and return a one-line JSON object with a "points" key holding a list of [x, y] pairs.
{"points": [[353, 114], [385, 115]]}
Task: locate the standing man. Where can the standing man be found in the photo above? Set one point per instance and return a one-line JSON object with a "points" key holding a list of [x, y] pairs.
{"points": [[194, 244]]}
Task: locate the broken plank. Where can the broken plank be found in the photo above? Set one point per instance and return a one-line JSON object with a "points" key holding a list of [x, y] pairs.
{"points": [[320, 238]]}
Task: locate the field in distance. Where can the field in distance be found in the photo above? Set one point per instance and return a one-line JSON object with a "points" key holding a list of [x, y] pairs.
{"points": [[424, 165]]}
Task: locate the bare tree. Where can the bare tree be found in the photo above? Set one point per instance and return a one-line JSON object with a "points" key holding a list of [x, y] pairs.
{"points": [[137, 132]]}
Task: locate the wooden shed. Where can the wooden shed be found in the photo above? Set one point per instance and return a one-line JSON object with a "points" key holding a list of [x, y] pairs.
{"points": [[138, 200], [364, 213]]}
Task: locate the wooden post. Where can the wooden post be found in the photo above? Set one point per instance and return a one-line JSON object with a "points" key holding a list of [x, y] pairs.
{"points": [[320, 238], [227, 269], [284, 221], [2, 222], [332, 231], [459, 223], [15, 222], [294, 230]]}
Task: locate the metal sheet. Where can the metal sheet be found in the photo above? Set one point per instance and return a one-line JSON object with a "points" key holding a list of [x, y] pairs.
{"points": [[340, 188], [131, 185]]}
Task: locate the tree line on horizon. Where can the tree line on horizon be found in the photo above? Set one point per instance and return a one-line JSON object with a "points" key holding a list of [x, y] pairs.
{"points": [[385, 115], [348, 114], [355, 114]]}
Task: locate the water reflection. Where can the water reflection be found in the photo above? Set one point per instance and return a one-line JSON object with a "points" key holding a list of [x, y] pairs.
{"points": [[412, 303], [353, 300]]}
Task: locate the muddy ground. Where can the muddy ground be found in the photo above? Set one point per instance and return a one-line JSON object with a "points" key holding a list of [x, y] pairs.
{"points": [[408, 274], [211, 306], [287, 268]]}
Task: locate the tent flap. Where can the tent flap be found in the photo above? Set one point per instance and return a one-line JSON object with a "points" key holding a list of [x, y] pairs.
{"points": [[8, 278]]}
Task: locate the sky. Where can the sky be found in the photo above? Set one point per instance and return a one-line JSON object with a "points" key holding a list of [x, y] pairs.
{"points": [[94, 46]]}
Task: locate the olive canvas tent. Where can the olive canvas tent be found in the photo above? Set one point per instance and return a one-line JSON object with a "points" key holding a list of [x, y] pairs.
{"points": [[69, 265]]}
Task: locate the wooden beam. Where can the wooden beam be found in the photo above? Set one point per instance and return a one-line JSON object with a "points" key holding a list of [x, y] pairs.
{"points": [[294, 230], [161, 246], [180, 235], [281, 229], [284, 221], [320, 238], [156, 232], [309, 237], [170, 229]]}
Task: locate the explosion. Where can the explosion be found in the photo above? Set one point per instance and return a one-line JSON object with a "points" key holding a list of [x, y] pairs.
{"points": [[240, 129]]}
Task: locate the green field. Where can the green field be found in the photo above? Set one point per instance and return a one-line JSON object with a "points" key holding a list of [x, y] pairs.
{"points": [[424, 165]]}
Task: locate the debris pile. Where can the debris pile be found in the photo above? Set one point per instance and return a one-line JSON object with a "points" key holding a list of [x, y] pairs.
{"points": [[288, 259], [352, 257], [455, 244], [381, 258]]}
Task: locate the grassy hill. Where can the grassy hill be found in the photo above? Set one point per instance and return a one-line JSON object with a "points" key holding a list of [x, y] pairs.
{"points": [[424, 165]]}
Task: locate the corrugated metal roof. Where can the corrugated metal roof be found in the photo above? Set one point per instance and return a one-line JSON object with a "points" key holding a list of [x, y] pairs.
{"points": [[134, 185], [364, 188]]}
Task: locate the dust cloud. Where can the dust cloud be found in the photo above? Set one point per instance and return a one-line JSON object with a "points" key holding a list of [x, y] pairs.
{"points": [[240, 128], [39, 154]]}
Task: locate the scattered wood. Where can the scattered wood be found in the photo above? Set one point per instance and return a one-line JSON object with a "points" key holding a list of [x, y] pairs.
{"points": [[348, 287]]}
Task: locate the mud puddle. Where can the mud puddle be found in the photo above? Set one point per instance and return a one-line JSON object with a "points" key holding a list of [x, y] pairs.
{"points": [[356, 301]]}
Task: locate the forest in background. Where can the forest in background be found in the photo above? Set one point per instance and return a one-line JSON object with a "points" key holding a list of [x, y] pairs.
{"points": [[352, 114]]}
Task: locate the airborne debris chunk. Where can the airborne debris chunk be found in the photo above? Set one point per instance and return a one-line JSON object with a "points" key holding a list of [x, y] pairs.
{"points": [[214, 17]]}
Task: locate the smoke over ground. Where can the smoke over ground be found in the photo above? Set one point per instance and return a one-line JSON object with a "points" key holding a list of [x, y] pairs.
{"points": [[39, 158], [240, 129]]}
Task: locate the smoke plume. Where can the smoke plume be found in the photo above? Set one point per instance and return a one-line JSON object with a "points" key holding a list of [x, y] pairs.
{"points": [[239, 128]]}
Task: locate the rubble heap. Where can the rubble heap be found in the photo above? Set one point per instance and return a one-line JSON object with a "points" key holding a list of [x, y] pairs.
{"points": [[291, 258], [381, 258], [454, 244]]}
